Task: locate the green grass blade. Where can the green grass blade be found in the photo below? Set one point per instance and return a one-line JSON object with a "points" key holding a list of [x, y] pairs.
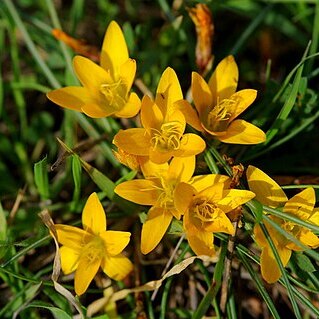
{"points": [[26, 294], [251, 28], [291, 218], [168, 284], [56, 312], [283, 272], [288, 105], [41, 178], [258, 282], [76, 173], [22, 252], [211, 162], [76, 14], [306, 301], [214, 287], [31, 46], [57, 25], [314, 38], [286, 138]]}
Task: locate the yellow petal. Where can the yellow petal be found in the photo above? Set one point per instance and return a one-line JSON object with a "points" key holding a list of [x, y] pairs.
{"points": [[202, 95], [202, 243], [131, 108], [183, 197], [93, 216], [190, 114], [151, 169], [260, 236], [159, 157], [233, 198], [223, 82], [242, 99], [220, 224], [115, 241], [140, 191], [168, 91], [270, 270], [72, 237], [114, 51], [94, 110], [69, 259], [200, 182], [177, 116], [284, 254], [127, 73], [116, 267], [242, 132], [151, 115], [91, 75], [314, 218], [85, 272], [212, 194], [309, 238], [181, 169], [153, 230], [133, 141], [301, 204], [191, 144], [267, 191], [70, 97]]}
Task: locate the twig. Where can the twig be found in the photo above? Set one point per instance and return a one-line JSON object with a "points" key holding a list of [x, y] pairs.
{"points": [[227, 271], [168, 264], [16, 204]]}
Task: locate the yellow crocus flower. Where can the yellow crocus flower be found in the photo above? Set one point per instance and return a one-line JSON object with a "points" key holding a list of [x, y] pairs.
{"points": [[162, 135], [105, 89], [86, 250], [269, 193], [205, 207], [157, 190], [218, 105]]}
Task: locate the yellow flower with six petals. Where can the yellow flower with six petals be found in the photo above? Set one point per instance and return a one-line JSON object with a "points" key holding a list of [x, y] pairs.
{"points": [[218, 105], [205, 209], [269, 193], [162, 135], [86, 250], [106, 88], [157, 190]]}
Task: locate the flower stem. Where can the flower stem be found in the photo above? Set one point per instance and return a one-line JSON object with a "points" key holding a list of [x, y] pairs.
{"points": [[227, 271]]}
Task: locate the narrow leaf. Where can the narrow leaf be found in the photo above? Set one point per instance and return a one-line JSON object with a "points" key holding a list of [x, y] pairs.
{"points": [[41, 178]]}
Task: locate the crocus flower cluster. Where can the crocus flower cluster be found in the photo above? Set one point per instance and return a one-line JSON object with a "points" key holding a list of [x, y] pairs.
{"points": [[163, 150]]}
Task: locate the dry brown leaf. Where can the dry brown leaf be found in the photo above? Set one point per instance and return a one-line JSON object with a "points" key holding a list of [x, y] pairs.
{"points": [[155, 284]]}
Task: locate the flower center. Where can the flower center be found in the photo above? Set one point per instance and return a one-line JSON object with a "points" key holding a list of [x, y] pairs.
{"points": [[204, 211], [168, 137], [218, 117], [291, 228], [166, 197], [94, 249], [114, 93]]}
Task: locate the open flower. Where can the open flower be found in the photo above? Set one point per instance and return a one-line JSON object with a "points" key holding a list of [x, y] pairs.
{"points": [[269, 193], [106, 88], [86, 250], [162, 135], [205, 208], [218, 105], [157, 190]]}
